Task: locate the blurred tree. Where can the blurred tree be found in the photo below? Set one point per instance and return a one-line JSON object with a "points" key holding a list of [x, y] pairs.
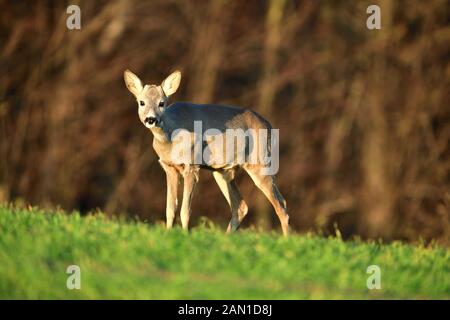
{"points": [[268, 87]]}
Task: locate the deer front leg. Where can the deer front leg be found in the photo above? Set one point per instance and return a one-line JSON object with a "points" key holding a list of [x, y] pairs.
{"points": [[190, 176], [173, 179]]}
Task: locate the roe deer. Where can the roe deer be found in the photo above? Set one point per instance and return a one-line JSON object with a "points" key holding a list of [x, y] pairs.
{"points": [[165, 121]]}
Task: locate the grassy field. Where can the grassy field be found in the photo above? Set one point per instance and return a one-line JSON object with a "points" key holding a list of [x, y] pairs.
{"points": [[128, 260]]}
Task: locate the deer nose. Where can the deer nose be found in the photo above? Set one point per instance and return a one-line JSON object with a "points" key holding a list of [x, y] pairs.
{"points": [[150, 120]]}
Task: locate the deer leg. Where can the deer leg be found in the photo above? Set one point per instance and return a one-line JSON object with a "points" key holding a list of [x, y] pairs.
{"points": [[266, 184], [190, 180], [173, 179], [238, 207]]}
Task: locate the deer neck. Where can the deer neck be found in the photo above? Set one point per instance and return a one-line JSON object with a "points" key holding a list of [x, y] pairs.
{"points": [[159, 135], [161, 144]]}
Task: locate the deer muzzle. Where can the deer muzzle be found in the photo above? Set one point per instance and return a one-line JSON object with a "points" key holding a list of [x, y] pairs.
{"points": [[151, 120]]}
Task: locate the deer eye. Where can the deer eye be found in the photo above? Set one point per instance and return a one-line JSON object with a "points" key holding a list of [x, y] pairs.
{"points": [[141, 103], [161, 104]]}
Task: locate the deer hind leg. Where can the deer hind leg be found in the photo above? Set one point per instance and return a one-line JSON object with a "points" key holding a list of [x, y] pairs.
{"points": [[266, 184], [190, 176], [225, 180]]}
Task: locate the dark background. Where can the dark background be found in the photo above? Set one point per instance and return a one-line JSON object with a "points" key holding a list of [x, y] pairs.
{"points": [[363, 115]]}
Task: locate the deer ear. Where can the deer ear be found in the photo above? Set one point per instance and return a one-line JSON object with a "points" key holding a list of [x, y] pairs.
{"points": [[171, 84], [132, 82]]}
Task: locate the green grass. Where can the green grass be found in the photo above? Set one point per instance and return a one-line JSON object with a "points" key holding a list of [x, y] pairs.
{"points": [[131, 260]]}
